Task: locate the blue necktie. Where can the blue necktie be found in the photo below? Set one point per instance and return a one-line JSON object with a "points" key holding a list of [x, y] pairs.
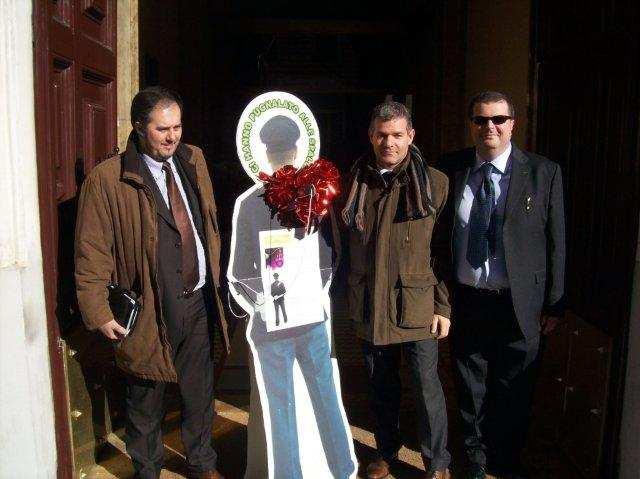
{"points": [[480, 237]]}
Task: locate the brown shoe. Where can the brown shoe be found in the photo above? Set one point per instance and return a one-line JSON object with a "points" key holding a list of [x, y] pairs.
{"points": [[210, 475], [378, 469]]}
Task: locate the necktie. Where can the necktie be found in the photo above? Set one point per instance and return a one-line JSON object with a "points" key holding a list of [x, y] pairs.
{"points": [[387, 177], [480, 237], [190, 274]]}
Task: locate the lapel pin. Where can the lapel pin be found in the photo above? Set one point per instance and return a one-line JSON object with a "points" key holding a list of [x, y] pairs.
{"points": [[528, 204]]}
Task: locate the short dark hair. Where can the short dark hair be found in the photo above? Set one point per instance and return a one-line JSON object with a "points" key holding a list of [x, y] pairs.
{"points": [[146, 100], [491, 97], [390, 110]]}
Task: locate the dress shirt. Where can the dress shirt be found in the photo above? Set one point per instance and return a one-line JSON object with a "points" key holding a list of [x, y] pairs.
{"points": [[155, 167], [493, 273]]}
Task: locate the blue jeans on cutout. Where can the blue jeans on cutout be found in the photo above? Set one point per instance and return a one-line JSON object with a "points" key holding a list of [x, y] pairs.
{"points": [[276, 353]]}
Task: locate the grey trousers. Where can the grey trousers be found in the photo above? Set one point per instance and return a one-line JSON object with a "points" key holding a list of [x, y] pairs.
{"points": [[383, 367]]}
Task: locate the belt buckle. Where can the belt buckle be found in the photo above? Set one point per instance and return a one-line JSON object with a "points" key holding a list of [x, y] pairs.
{"points": [[496, 292]]}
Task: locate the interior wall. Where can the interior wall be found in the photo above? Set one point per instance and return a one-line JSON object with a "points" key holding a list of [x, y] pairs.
{"points": [[27, 437], [498, 50]]}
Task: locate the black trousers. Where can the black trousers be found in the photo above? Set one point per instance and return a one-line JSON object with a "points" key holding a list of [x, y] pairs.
{"points": [[279, 305], [190, 336], [383, 367], [495, 370]]}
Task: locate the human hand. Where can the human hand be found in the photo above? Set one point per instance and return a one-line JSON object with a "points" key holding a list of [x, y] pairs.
{"points": [[548, 323], [113, 330], [440, 326]]}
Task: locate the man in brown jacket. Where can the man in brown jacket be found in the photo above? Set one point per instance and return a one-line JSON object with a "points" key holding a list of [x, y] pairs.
{"points": [[147, 221], [397, 304]]}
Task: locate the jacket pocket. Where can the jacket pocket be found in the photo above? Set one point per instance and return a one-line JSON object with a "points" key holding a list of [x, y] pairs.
{"points": [[417, 299], [357, 296]]}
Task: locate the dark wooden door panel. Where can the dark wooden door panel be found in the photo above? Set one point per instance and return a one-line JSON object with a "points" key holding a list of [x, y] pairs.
{"points": [[76, 127], [96, 112], [61, 11], [62, 96], [587, 120], [582, 425], [96, 21]]}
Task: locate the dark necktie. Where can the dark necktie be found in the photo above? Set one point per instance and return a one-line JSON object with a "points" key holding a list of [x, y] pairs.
{"points": [[190, 273], [480, 237]]}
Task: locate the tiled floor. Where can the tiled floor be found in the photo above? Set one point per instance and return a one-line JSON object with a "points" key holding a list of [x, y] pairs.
{"points": [[544, 460]]}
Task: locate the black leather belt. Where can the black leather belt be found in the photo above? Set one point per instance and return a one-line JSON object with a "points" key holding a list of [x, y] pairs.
{"points": [[485, 291]]}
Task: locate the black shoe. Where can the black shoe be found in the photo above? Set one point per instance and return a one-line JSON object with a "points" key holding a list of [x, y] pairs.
{"points": [[520, 474], [476, 471]]}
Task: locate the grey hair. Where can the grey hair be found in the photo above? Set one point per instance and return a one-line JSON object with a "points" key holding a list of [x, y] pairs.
{"points": [[390, 110]]}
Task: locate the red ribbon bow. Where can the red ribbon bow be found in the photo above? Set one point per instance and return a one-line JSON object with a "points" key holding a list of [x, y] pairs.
{"points": [[301, 197]]}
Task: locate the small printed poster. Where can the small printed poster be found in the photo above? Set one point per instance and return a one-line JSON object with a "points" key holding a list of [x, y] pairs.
{"points": [[291, 281]]}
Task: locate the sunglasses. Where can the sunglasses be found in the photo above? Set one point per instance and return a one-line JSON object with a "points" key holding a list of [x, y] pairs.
{"points": [[496, 120]]}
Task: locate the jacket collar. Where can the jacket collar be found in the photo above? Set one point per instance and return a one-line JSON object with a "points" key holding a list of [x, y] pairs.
{"points": [[131, 161], [161, 207], [373, 170]]}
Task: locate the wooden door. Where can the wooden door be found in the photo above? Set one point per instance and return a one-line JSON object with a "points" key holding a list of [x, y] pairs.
{"points": [[588, 98], [75, 93]]}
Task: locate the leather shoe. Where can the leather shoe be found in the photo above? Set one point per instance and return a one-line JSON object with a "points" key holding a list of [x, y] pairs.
{"points": [[209, 475], [378, 469], [476, 471], [443, 474], [516, 475]]}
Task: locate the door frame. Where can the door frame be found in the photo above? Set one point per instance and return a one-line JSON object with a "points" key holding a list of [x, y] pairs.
{"points": [[48, 237]]}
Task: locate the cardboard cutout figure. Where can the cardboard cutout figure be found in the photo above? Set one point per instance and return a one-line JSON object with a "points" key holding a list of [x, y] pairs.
{"points": [[281, 278]]}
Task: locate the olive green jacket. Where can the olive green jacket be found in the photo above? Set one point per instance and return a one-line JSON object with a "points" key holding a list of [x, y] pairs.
{"points": [[393, 292]]}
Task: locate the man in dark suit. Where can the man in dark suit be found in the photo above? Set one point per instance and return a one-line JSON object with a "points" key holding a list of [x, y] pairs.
{"points": [[277, 293], [507, 281], [147, 220]]}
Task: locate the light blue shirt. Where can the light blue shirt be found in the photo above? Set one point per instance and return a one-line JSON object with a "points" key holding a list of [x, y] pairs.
{"points": [[155, 167], [493, 273]]}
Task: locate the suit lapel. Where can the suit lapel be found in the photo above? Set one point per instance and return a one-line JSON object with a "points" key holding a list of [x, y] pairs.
{"points": [[520, 176], [461, 178], [161, 205], [187, 173]]}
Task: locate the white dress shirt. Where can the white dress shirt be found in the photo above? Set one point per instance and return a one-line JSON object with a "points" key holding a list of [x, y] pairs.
{"points": [[493, 273]]}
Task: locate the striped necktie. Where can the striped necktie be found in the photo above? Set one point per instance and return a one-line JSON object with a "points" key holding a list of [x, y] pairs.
{"points": [[480, 240]]}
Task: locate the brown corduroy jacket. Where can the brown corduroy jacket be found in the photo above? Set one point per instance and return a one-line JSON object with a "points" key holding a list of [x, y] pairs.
{"points": [[393, 290], [116, 236]]}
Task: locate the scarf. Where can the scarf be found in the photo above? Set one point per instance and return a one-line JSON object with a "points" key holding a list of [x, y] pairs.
{"points": [[418, 199]]}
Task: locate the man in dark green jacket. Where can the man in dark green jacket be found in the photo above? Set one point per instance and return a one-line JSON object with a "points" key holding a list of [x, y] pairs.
{"points": [[398, 305]]}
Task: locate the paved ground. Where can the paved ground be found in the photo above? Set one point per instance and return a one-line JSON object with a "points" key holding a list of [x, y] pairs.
{"points": [[544, 460]]}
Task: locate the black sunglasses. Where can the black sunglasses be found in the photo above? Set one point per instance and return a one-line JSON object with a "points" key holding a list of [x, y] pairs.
{"points": [[496, 120]]}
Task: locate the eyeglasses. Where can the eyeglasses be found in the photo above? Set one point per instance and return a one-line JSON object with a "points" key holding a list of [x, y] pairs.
{"points": [[496, 120]]}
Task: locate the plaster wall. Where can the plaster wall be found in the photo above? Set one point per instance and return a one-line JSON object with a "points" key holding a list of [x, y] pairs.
{"points": [[27, 437]]}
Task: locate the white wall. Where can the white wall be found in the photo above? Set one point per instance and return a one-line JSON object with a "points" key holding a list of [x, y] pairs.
{"points": [[27, 438], [629, 443]]}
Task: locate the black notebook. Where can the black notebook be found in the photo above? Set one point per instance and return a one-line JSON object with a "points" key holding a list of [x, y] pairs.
{"points": [[124, 306]]}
